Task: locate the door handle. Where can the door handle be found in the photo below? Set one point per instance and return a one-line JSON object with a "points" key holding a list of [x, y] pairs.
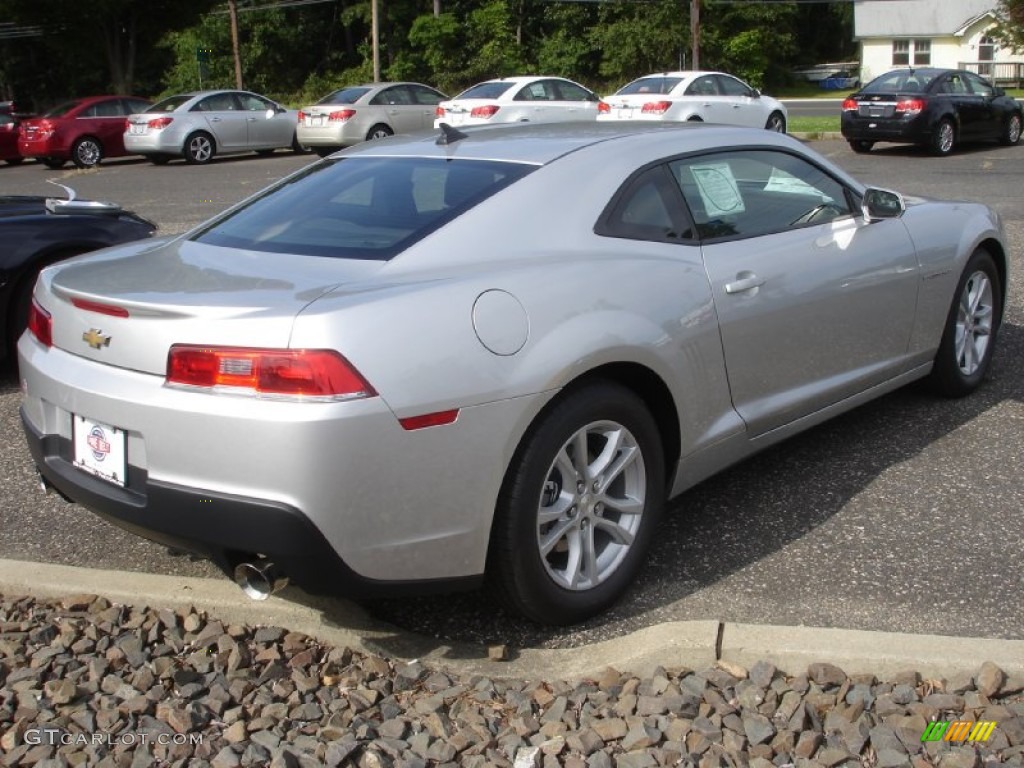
{"points": [[250, 119], [746, 281], [214, 119]]}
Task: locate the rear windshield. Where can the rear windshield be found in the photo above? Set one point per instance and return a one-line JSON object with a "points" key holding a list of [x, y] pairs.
{"points": [[489, 90], [901, 81], [649, 85], [171, 103], [361, 207], [344, 96]]}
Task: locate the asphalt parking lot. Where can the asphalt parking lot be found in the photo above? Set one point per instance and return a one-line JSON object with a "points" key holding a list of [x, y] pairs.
{"points": [[904, 516]]}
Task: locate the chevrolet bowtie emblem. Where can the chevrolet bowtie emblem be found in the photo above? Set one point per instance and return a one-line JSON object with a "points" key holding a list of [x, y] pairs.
{"points": [[94, 338]]}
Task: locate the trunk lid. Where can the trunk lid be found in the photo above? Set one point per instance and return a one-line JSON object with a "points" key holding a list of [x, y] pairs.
{"points": [[183, 292]]}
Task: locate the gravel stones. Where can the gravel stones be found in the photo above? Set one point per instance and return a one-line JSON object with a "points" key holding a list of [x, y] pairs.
{"points": [[114, 686]]}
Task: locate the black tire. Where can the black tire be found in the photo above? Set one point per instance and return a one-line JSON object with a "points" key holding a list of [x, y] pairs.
{"points": [[299, 148], [1010, 135], [969, 338], [861, 146], [21, 299], [943, 138], [53, 163], [325, 151], [199, 148], [264, 152], [14, 160], [776, 122], [379, 131], [532, 582], [159, 159], [87, 152], [695, 119]]}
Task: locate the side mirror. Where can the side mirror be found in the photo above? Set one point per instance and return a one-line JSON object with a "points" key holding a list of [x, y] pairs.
{"points": [[999, 92], [878, 204]]}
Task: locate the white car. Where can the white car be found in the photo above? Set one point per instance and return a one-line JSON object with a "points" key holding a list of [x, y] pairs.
{"points": [[519, 100], [362, 112], [710, 97]]}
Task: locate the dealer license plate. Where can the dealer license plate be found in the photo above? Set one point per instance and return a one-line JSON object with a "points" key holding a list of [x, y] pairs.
{"points": [[99, 449]]}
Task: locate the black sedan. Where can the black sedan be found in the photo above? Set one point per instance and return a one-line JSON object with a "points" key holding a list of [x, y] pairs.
{"points": [[937, 108], [38, 231]]}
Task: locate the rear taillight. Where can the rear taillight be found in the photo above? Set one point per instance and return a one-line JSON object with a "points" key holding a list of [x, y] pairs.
{"points": [[302, 115], [40, 324], [438, 111], [341, 115], [307, 373], [487, 111], [850, 105], [656, 107], [603, 108], [160, 122], [910, 106]]}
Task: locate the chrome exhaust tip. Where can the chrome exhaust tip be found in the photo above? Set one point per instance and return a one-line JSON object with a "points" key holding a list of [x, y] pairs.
{"points": [[260, 580]]}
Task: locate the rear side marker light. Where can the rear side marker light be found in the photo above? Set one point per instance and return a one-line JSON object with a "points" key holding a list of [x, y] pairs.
{"points": [[429, 420], [40, 324], [316, 374], [488, 111], [103, 309]]}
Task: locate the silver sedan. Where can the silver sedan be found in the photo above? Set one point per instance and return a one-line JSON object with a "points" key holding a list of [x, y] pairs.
{"points": [[438, 358], [197, 126], [363, 112]]}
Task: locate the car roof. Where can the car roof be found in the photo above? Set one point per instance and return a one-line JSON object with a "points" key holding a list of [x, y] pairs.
{"points": [[542, 143], [690, 73]]}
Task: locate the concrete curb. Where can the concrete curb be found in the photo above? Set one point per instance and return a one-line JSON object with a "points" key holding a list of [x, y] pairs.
{"points": [[817, 135], [692, 644]]}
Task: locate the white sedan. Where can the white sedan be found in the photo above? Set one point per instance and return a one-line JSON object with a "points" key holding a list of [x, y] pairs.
{"points": [[519, 100], [710, 97]]}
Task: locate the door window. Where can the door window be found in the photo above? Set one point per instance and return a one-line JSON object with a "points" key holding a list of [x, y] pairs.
{"points": [[746, 193]]}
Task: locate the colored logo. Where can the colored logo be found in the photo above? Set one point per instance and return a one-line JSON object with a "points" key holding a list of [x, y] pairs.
{"points": [[958, 730], [95, 338], [98, 444]]}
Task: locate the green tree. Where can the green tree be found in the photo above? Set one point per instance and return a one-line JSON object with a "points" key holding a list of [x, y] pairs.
{"points": [[1010, 31], [755, 41]]}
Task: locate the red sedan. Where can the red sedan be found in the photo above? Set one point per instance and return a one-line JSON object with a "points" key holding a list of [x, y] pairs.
{"points": [[84, 131]]}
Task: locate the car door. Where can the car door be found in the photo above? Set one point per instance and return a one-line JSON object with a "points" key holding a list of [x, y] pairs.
{"points": [[269, 125], [395, 107], [814, 304], [574, 102], [105, 120], [739, 104], [223, 116], [986, 118], [426, 100], [535, 102], [701, 96]]}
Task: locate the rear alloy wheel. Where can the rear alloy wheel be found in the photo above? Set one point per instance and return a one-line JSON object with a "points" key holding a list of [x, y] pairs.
{"points": [[379, 131], [776, 122], [943, 138], [971, 326], [1011, 131], [199, 148], [861, 146], [579, 505], [86, 152]]}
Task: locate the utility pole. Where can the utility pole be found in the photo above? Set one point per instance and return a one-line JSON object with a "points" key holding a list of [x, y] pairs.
{"points": [[375, 34], [233, 11], [695, 33]]}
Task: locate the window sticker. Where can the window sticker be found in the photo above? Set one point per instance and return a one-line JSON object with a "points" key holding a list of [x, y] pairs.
{"points": [[780, 181], [718, 189]]}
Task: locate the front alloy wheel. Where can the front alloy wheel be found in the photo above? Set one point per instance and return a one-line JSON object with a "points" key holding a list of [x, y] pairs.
{"points": [[968, 341], [776, 122], [579, 505], [1011, 133]]}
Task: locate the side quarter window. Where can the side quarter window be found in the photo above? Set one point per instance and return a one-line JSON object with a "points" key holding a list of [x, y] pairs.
{"points": [[647, 208], [746, 193]]}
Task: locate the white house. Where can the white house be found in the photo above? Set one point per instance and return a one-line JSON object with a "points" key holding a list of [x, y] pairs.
{"points": [[936, 33]]}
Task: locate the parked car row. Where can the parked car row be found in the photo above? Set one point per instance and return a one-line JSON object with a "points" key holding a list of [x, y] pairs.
{"points": [[200, 125]]}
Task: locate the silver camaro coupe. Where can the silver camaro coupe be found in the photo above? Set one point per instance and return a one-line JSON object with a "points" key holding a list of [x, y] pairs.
{"points": [[430, 359]]}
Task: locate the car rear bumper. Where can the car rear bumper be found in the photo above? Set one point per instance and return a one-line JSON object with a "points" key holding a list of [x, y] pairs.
{"points": [[900, 130], [336, 135], [155, 142]]}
